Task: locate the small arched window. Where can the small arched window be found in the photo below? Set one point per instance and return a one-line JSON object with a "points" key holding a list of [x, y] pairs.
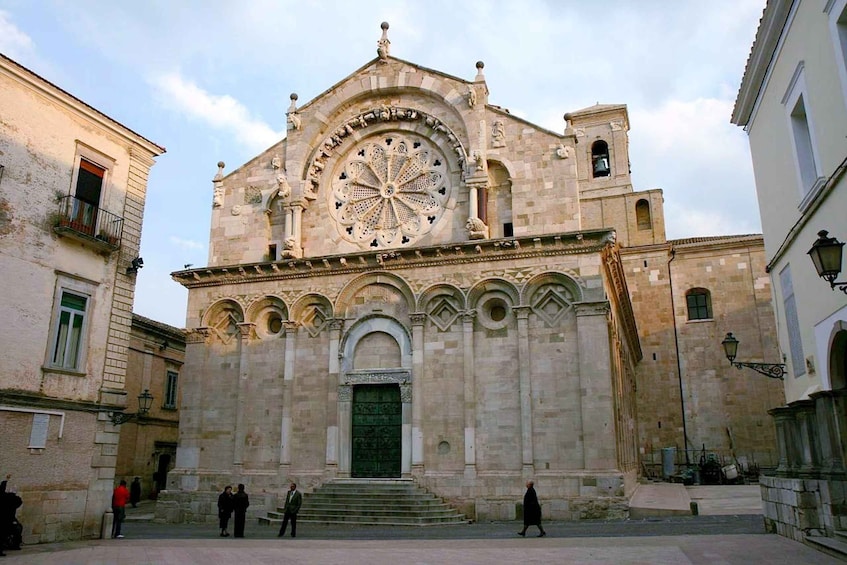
{"points": [[600, 159], [642, 215], [699, 301]]}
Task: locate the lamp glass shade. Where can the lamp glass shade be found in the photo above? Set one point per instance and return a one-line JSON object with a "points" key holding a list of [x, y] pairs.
{"points": [[730, 346], [826, 254], [145, 401]]}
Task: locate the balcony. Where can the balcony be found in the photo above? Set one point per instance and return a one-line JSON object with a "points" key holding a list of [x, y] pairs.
{"points": [[89, 224]]}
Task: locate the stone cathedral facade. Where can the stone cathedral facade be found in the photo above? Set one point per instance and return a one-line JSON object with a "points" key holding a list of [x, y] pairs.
{"points": [[416, 283]]}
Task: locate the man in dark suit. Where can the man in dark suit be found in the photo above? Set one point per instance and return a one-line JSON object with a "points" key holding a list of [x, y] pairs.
{"points": [[293, 501]]}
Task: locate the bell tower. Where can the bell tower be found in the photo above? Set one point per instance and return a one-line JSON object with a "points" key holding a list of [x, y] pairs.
{"points": [[602, 149]]}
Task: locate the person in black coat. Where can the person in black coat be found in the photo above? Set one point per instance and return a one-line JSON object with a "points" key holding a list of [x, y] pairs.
{"points": [[225, 506], [240, 503], [531, 510], [135, 492]]}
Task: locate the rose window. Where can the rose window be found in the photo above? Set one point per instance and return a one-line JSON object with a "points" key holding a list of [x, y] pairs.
{"points": [[389, 191]]}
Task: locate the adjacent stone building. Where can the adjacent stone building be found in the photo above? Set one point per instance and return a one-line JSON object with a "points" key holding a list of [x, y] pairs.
{"points": [[72, 190], [416, 283], [147, 447]]}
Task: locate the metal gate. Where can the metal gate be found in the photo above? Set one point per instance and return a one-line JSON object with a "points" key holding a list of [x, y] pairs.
{"points": [[377, 419]]}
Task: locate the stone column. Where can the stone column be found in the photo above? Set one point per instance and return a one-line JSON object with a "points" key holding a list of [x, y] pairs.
{"points": [[595, 382], [289, 222], [525, 371], [287, 398], [806, 419], [345, 424], [336, 325], [246, 330], [405, 427], [830, 426], [184, 475], [297, 226], [469, 393], [418, 321], [783, 420]]}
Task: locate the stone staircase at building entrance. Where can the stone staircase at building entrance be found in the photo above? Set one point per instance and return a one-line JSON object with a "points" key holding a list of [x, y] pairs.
{"points": [[396, 502]]}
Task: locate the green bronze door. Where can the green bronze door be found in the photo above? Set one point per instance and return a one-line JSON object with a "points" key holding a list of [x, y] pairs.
{"points": [[377, 419]]}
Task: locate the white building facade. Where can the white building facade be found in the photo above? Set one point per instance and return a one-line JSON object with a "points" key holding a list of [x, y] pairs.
{"points": [[793, 105], [72, 191]]}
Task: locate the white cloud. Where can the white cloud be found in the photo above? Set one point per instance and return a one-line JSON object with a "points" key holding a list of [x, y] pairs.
{"points": [[222, 112], [186, 244], [13, 42]]}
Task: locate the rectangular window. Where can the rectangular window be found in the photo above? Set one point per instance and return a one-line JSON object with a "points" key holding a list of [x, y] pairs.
{"points": [[698, 306], [508, 230], [89, 185], [837, 12], [171, 390], [803, 144], [792, 322], [70, 324]]}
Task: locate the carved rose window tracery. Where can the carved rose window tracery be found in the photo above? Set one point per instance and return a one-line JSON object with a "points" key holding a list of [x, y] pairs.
{"points": [[389, 191]]}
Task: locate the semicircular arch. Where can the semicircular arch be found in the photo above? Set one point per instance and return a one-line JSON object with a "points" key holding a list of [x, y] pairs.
{"points": [[375, 324], [383, 278]]}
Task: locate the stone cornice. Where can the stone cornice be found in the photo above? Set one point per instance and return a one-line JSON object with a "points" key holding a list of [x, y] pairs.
{"points": [[621, 300], [464, 252], [34, 400]]}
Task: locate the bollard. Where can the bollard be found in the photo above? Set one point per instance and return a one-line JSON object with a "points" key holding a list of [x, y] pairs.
{"points": [[695, 509], [108, 523]]}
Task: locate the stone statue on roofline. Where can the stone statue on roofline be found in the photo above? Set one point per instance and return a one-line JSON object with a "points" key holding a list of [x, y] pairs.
{"points": [[383, 46]]}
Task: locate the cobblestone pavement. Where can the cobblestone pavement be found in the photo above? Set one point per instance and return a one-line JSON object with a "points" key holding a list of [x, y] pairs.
{"points": [[678, 540]]}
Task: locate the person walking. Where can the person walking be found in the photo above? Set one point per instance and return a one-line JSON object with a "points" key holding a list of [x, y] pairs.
{"points": [[119, 499], [531, 511], [293, 501], [240, 503], [225, 506], [135, 492]]}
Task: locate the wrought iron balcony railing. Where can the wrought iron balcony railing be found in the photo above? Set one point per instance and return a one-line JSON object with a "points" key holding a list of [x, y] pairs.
{"points": [[89, 223]]}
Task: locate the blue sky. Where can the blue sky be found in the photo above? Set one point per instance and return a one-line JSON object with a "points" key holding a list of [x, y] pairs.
{"points": [[211, 80]]}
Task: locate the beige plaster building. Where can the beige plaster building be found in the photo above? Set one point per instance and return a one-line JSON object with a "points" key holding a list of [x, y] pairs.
{"points": [[416, 283], [72, 189], [147, 448], [793, 105]]}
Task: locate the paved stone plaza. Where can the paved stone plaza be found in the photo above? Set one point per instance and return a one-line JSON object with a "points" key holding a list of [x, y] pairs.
{"points": [[496, 543]]}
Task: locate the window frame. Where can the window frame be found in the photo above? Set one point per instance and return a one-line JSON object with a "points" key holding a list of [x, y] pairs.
{"points": [[171, 389], [101, 160], [837, 10], [699, 291], [797, 93], [66, 284]]}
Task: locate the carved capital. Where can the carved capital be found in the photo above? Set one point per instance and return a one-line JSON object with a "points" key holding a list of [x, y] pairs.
{"points": [[592, 308], [418, 318], [522, 312], [406, 393], [468, 316], [336, 324], [345, 393], [247, 330], [198, 335], [290, 326]]}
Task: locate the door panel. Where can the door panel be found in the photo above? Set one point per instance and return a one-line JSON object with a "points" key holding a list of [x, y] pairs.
{"points": [[377, 419]]}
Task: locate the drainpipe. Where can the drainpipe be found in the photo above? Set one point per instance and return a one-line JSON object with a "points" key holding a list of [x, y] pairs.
{"points": [[678, 362]]}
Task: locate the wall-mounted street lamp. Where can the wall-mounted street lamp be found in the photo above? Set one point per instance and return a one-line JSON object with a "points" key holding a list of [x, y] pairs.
{"points": [[772, 370], [145, 401], [826, 254], [134, 266]]}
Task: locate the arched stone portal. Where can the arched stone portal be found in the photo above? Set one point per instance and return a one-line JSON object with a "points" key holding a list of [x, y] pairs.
{"points": [[375, 406]]}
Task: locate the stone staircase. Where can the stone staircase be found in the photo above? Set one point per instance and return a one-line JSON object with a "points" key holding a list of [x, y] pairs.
{"points": [[396, 502], [835, 545]]}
